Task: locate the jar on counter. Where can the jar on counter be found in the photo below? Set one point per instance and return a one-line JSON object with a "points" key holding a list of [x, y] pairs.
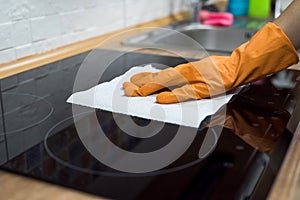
{"points": [[259, 8]]}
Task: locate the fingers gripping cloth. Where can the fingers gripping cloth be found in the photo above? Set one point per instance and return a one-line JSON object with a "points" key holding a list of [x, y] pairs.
{"points": [[268, 51]]}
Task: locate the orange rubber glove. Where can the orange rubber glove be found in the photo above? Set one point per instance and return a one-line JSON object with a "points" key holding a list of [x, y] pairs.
{"points": [[267, 52]]}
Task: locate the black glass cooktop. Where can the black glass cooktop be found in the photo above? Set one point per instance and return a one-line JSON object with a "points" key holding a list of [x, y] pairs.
{"points": [[233, 157]]}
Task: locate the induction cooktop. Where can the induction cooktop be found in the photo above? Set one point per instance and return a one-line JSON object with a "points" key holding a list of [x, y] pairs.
{"points": [[235, 158]]}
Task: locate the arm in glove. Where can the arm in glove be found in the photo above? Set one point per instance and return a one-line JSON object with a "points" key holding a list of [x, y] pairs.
{"points": [[267, 52]]}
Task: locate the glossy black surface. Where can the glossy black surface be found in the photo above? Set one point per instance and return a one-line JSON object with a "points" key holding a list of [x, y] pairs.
{"points": [[41, 141]]}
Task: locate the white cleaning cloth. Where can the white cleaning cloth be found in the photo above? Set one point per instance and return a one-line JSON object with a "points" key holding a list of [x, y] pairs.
{"points": [[110, 96]]}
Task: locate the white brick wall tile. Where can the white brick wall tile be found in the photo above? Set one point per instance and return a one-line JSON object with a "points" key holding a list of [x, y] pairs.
{"points": [[139, 11], [178, 6], [74, 37], [42, 8], [66, 22], [6, 36], [86, 18], [45, 27], [37, 28], [54, 43], [24, 50], [41, 46], [92, 32], [80, 20], [108, 21], [68, 5], [21, 32], [93, 17], [104, 3], [34, 26], [90, 3], [65, 39], [4, 16], [72, 21], [7, 55], [19, 10]]}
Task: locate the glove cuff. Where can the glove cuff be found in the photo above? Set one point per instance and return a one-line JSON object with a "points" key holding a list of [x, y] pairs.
{"points": [[268, 51]]}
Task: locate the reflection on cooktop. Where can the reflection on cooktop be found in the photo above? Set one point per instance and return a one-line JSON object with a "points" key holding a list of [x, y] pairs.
{"points": [[63, 159], [32, 110], [235, 159]]}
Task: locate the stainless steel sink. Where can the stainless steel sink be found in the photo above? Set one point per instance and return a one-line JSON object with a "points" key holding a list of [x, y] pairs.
{"points": [[193, 37]]}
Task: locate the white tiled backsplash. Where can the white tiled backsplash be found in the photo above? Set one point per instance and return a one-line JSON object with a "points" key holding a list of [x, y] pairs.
{"points": [[32, 26]]}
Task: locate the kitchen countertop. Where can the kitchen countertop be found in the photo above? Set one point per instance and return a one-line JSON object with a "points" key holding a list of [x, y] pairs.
{"points": [[286, 186], [15, 187]]}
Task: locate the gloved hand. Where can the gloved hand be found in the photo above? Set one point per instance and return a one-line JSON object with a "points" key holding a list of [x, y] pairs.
{"points": [[267, 52]]}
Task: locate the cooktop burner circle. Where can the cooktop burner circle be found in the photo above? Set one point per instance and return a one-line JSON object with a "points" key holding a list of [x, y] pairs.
{"points": [[67, 161], [30, 110]]}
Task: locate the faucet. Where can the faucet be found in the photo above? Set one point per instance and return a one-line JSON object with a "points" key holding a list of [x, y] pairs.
{"points": [[194, 9], [197, 5]]}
